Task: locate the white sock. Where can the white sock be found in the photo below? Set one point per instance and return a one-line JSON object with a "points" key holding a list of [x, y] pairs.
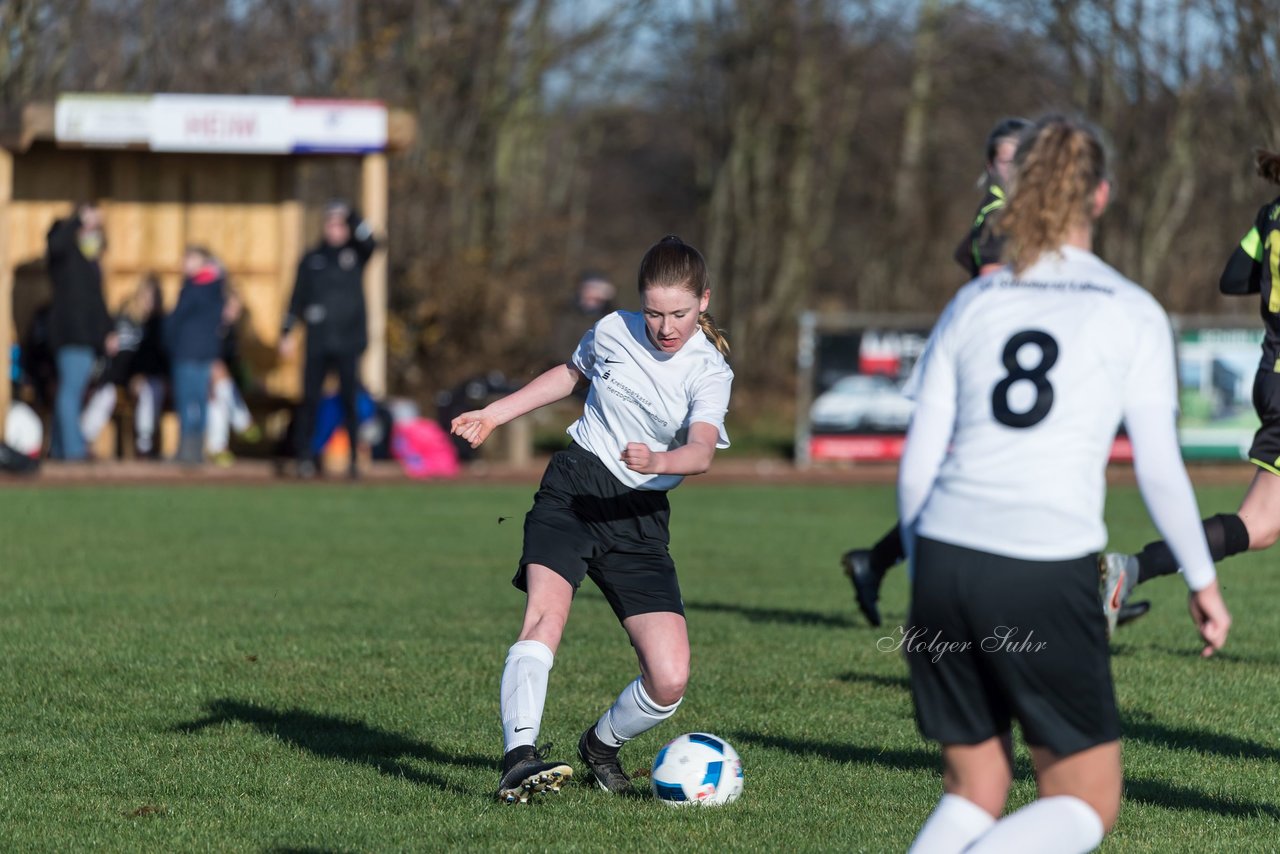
{"points": [[524, 692], [217, 432], [225, 394], [241, 418], [97, 412], [631, 714], [1059, 825], [144, 414], [954, 823]]}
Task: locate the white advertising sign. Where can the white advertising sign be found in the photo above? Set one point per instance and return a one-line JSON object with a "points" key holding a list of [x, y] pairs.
{"points": [[231, 124], [103, 120], [224, 124]]}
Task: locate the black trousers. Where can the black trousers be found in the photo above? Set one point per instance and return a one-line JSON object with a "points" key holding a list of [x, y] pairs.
{"points": [[316, 367]]}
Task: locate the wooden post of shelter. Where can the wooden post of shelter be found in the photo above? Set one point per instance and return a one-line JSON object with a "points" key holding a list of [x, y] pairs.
{"points": [[373, 202], [6, 286]]}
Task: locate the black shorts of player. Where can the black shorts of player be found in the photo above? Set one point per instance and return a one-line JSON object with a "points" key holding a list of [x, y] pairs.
{"points": [[991, 639], [584, 523], [1265, 450]]}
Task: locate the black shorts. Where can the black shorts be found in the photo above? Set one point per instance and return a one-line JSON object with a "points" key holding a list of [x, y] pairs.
{"points": [[993, 638], [1265, 450], [584, 523]]}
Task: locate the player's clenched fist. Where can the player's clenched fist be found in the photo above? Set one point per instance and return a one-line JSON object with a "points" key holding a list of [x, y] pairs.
{"points": [[638, 457], [472, 427]]}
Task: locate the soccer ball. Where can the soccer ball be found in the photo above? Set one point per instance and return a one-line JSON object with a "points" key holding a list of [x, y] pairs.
{"points": [[697, 768]]}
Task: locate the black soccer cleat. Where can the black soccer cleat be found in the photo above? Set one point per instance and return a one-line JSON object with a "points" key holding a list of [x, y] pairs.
{"points": [[602, 762], [1131, 611], [866, 585], [526, 772]]}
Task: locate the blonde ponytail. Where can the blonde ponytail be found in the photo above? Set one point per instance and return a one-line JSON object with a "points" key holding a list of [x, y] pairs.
{"points": [[708, 324], [1059, 165]]}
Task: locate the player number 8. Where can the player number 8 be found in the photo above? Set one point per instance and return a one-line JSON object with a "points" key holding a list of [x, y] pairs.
{"points": [[1038, 375]]}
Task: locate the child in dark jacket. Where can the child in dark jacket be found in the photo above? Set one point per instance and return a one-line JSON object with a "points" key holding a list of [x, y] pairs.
{"points": [[139, 366], [193, 341]]}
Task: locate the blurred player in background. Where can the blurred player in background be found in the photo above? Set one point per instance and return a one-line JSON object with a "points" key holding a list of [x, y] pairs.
{"points": [[1019, 394], [1253, 268], [659, 390]]}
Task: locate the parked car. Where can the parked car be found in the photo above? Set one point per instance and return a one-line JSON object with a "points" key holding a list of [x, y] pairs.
{"points": [[861, 402]]}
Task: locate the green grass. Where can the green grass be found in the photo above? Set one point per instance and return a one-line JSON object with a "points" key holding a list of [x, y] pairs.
{"points": [[315, 669]]}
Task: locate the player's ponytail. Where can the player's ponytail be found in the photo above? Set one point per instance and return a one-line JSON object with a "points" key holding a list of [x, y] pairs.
{"points": [[715, 333], [1059, 164], [1268, 165]]}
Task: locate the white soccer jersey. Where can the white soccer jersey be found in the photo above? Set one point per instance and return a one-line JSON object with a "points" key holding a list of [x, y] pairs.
{"points": [[1039, 370], [641, 394]]}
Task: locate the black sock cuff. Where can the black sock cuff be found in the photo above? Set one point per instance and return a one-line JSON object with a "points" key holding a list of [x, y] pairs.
{"points": [[1235, 536]]}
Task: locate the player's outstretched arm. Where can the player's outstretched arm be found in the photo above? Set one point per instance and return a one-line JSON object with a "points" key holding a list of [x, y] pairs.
{"points": [[556, 384], [1210, 615], [693, 457]]}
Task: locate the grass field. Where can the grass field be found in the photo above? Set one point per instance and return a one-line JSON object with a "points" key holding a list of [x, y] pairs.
{"points": [[288, 668]]}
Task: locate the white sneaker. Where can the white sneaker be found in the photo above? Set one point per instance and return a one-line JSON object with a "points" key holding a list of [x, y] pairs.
{"points": [[1119, 575]]}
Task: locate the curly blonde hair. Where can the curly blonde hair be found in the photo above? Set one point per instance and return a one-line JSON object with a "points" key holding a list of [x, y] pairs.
{"points": [[1059, 164]]}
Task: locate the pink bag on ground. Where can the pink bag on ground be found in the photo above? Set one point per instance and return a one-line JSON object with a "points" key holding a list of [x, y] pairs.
{"points": [[423, 449]]}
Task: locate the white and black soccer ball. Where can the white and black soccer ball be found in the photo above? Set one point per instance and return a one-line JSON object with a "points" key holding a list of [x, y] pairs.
{"points": [[697, 768]]}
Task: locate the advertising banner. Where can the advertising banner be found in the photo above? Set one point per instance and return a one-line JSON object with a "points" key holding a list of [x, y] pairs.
{"points": [[853, 368], [230, 124], [1216, 368]]}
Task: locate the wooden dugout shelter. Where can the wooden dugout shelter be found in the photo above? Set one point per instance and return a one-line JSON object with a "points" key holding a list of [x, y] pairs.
{"points": [[226, 172]]}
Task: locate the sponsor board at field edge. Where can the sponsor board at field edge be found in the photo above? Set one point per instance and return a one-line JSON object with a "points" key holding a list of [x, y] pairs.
{"points": [[221, 124], [859, 413], [1216, 369]]}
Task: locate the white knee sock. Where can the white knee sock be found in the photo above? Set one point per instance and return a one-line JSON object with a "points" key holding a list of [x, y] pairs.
{"points": [[631, 714], [97, 412], [226, 395], [216, 430], [524, 692], [1061, 824], [144, 414], [954, 823], [241, 418]]}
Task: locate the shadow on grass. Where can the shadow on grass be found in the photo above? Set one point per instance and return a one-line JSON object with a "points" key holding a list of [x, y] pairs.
{"points": [[1170, 796], [1140, 726], [899, 682], [900, 760], [343, 739], [774, 615], [897, 759]]}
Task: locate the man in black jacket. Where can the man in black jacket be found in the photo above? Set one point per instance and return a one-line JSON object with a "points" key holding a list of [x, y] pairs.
{"points": [[79, 326], [328, 298]]}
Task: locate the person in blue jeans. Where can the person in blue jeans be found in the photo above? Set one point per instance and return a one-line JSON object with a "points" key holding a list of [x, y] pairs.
{"points": [[80, 328], [192, 338]]}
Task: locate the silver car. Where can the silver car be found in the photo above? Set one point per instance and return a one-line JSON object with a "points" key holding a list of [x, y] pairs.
{"points": [[861, 402]]}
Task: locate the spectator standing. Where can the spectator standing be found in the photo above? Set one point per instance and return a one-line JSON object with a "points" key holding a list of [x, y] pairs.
{"points": [[79, 326], [592, 300], [193, 341], [328, 298]]}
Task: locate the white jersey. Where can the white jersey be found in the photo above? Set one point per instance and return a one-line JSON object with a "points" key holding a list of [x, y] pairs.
{"points": [[1039, 369], [642, 394]]}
